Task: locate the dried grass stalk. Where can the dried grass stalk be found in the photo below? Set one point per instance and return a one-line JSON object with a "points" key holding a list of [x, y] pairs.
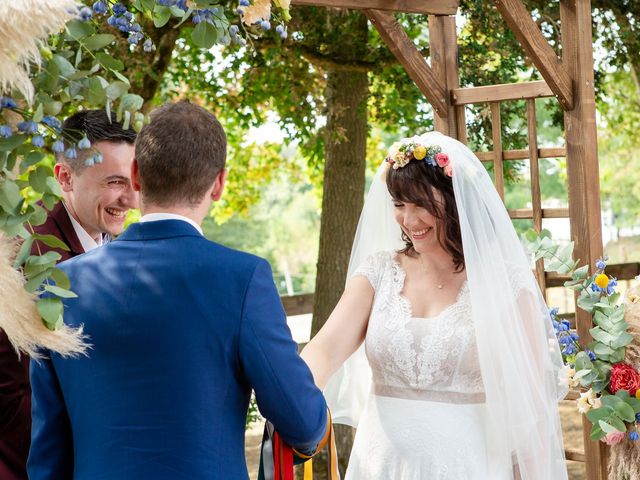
{"points": [[19, 317]]}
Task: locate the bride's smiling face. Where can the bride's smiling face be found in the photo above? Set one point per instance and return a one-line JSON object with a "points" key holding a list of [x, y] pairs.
{"points": [[418, 224]]}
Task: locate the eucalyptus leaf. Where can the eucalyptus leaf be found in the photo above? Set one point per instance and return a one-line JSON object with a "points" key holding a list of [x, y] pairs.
{"points": [[64, 67], [108, 62], [78, 30], [51, 241], [23, 253], [50, 309], [161, 16], [204, 35], [98, 41], [60, 292], [61, 278]]}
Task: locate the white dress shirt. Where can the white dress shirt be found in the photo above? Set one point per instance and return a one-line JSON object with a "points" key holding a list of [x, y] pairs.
{"points": [[86, 240], [154, 217]]}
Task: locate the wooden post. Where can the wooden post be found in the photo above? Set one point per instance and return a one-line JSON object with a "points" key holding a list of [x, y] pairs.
{"points": [[443, 48], [536, 196], [582, 173], [498, 166]]}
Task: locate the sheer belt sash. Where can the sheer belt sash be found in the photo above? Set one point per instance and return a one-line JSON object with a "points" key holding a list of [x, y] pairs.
{"points": [[460, 398]]}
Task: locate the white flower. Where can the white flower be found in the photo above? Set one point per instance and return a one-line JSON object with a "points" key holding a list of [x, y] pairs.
{"points": [[565, 376], [24, 26], [587, 401]]}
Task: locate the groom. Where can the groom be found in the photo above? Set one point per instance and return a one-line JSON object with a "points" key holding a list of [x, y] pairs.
{"points": [[182, 329]]}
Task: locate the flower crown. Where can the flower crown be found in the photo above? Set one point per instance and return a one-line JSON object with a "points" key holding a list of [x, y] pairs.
{"points": [[402, 152]]}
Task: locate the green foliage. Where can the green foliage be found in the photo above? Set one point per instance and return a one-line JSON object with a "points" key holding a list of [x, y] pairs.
{"points": [[610, 336]]}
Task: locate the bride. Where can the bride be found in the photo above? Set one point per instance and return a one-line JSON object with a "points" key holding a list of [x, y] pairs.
{"points": [[459, 378]]}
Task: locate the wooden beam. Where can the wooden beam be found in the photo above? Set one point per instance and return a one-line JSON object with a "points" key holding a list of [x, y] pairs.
{"points": [[622, 271], [523, 154], [427, 7], [495, 93], [582, 175], [538, 49], [297, 304], [575, 455], [408, 55], [527, 213], [443, 51]]}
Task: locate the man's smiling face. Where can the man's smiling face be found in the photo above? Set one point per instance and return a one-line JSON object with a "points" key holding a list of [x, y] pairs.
{"points": [[100, 196]]}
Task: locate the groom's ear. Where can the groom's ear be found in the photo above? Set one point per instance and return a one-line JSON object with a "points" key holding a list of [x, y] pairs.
{"points": [[218, 185], [135, 176]]}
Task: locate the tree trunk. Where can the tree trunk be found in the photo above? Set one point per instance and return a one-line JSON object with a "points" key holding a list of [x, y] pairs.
{"points": [[342, 200]]}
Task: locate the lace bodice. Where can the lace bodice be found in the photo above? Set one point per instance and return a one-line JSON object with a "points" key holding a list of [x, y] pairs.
{"points": [[424, 358]]}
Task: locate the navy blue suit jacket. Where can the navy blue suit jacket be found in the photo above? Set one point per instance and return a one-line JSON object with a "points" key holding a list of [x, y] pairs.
{"points": [[182, 329]]}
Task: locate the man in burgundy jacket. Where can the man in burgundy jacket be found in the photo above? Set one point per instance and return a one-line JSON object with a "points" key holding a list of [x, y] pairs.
{"points": [[97, 194]]}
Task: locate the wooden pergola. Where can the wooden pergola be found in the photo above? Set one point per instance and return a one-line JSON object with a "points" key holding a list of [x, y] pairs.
{"points": [[569, 79]]}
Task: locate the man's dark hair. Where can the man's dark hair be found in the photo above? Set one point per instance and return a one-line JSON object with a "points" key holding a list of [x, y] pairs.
{"points": [[179, 154], [97, 126]]}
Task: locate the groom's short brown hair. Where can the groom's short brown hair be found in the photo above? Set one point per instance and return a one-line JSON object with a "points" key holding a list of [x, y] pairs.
{"points": [[179, 154]]}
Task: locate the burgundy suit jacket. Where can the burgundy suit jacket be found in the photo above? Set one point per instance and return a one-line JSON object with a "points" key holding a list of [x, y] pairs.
{"points": [[15, 391]]}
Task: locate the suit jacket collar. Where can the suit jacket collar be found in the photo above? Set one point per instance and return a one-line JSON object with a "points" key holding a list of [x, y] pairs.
{"points": [[158, 230], [60, 216]]}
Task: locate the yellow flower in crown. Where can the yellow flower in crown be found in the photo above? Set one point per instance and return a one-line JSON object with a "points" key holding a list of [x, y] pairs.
{"points": [[419, 152], [602, 281]]}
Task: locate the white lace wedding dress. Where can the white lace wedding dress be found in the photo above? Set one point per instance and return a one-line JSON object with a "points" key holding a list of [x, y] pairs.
{"points": [[424, 418]]}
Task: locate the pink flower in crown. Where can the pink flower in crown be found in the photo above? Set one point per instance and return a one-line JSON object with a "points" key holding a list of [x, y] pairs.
{"points": [[448, 171], [614, 438], [442, 159]]}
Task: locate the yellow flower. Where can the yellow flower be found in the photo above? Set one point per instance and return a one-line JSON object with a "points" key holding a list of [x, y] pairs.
{"points": [[602, 281], [419, 152], [638, 394]]}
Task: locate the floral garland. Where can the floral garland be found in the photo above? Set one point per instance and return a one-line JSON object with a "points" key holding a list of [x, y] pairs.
{"points": [[610, 388], [402, 152]]}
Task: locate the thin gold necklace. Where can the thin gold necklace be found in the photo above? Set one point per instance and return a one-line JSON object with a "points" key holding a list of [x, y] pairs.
{"points": [[439, 286]]}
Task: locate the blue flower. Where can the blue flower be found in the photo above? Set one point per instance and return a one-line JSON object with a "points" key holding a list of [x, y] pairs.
{"points": [[84, 144], [52, 122], [135, 38], [119, 9], [182, 5], [574, 336], [564, 339], [148, 45], [592, 356], [240, 11], [613, 282], [565, 325], [167, 3], [601, 264], [7, 102], [112, 20], [233, 29], [58, 146], [265, 25], [638, 417], [28, 127], [244, 3], [197, 18], [595, 288], [6, 131], [128, 15], [569, 349], [85, 14], [100, 7], [89, 162], [71, 153], [135, 28], [98, 158], [553, 312], [37, 141], [633, 436]]}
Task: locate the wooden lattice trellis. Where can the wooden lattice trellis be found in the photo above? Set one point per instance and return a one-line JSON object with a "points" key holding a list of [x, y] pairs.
{"points": [[569, 78]]}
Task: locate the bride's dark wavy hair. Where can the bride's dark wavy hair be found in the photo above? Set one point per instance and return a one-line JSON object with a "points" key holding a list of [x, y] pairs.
{"points": [[416, 183]]}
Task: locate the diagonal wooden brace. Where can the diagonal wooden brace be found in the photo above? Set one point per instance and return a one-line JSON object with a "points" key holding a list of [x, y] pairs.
{"points": [[553, 70], [411, 59]]}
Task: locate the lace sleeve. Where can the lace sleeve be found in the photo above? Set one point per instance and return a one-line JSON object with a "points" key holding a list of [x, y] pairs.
{"points": [[373, 267]]}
